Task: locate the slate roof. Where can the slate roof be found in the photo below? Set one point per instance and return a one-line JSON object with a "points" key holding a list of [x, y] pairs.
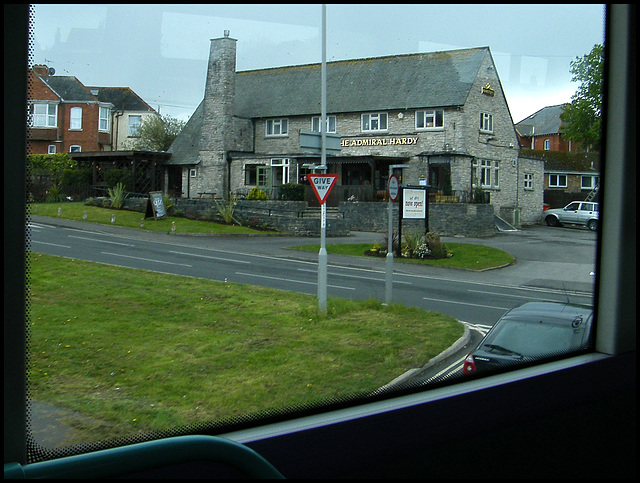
{"points": [[543, 122], [436, 79], [123, 98], [68, 88], [184, 149]]}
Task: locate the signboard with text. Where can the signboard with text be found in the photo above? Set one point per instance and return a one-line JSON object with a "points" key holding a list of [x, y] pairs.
{"points": [[414, 203], [322, 185], [155, 207]]}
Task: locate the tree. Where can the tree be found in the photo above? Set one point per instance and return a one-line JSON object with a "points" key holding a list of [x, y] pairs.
{"points": [[157, 133], [582, 118]]}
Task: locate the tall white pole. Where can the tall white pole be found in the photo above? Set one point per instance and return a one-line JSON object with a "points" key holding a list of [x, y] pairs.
{"points": [[322, 256]]}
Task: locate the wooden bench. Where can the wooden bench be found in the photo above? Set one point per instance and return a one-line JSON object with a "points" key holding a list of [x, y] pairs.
{"points": [[207, 193]]}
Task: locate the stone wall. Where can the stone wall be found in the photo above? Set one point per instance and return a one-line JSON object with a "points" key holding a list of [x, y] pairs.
{"points": [[446, 219], [294, 218]]}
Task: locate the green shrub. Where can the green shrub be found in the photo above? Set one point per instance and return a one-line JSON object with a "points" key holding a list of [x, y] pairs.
{"points": [[257, 194], [117, 195]]}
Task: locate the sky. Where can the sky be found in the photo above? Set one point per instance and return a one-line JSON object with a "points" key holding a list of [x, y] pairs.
{"points": [[161, 51]]}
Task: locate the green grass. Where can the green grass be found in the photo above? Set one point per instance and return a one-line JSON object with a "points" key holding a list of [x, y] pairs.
{"points": [[131, 219], [465, 255], [132, 350]]}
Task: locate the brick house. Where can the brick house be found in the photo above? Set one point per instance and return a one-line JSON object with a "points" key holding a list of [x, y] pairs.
{"points": [[65, 116], [570, 172], [443, 114]]}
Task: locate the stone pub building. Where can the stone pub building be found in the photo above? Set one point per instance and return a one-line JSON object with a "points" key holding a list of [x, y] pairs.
{"points": [[443, 114]]}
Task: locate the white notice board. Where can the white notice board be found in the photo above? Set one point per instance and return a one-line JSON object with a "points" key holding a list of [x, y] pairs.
{"points": [[414, 203]]}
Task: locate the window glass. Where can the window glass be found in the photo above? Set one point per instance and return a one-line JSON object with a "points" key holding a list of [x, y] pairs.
{"points": [[157, 376], [75, 122], [135, 123]]}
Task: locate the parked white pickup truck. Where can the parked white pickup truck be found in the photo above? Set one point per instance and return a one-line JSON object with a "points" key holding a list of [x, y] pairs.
{"points": [[576, 213]]}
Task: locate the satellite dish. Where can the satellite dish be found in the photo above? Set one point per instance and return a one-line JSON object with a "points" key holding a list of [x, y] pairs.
{"points": [[52, 71]]}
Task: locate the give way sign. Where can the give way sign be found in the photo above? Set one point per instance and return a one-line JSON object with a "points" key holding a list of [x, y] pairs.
{"points": [[322, 184]]}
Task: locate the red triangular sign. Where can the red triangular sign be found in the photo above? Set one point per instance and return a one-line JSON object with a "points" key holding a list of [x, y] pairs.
{"points": [[322, 184]]}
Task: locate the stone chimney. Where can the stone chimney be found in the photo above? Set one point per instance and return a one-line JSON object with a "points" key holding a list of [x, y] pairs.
{"points": [[217, 126]]}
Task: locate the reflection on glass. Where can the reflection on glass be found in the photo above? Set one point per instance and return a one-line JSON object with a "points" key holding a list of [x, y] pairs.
{"points": [[152, 347]]}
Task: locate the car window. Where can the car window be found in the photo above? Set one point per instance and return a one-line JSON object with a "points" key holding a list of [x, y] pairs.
{"points": [[572, 206]]}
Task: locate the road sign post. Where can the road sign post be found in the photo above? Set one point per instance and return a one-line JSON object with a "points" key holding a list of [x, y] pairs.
{"points": [[322, 185], [393, 189]]}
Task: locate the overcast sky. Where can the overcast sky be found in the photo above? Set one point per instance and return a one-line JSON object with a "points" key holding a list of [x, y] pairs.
{"points": [[161, 51]]}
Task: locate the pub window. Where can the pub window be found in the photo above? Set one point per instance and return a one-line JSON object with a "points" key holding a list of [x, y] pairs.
{"points": [[486, 122], [486, 173], [277, 127], [251, 174], [528, 181], [429, 119], [331, 124], [374, 122]]}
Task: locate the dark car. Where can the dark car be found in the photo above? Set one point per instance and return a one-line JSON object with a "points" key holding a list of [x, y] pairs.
{"points": [[532, 331]]}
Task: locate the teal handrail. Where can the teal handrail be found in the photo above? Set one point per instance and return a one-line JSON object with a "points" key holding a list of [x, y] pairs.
{"points": [[147, 455]]}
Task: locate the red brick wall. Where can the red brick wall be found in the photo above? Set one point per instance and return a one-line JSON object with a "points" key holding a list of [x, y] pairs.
{"points": [[38, 140]]}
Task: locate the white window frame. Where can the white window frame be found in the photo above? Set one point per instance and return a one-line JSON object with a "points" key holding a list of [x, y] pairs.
{"points": [[47, 118], [374, 122], [277, 127], [134, 128], [547, 145], [555, 180], [589, 182], [528, 181], [430, 120], [75, 148], [75, 119], [51, 149], [486, 172], [486, 122], [103, 119], [331, 124]]}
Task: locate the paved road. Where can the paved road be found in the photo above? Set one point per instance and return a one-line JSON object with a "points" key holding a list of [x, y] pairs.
{"points": [[549, 259]]}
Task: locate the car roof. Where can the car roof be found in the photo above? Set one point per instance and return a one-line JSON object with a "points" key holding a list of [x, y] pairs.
{"points": [[549, 312]]}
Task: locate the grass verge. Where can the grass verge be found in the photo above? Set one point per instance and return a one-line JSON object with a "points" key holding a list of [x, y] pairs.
{"points": [[465, 255], [132, 219], [136, 351]]}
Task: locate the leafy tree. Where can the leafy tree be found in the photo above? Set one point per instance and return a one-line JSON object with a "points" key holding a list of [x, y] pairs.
{"points": [[157, 133], [582, 118]]}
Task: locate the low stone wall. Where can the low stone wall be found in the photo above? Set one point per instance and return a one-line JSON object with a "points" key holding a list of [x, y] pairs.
{"points": [[446, 219], [291, 217]]}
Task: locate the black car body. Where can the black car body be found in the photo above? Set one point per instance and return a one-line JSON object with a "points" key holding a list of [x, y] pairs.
{"points": [[532, 331]]}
